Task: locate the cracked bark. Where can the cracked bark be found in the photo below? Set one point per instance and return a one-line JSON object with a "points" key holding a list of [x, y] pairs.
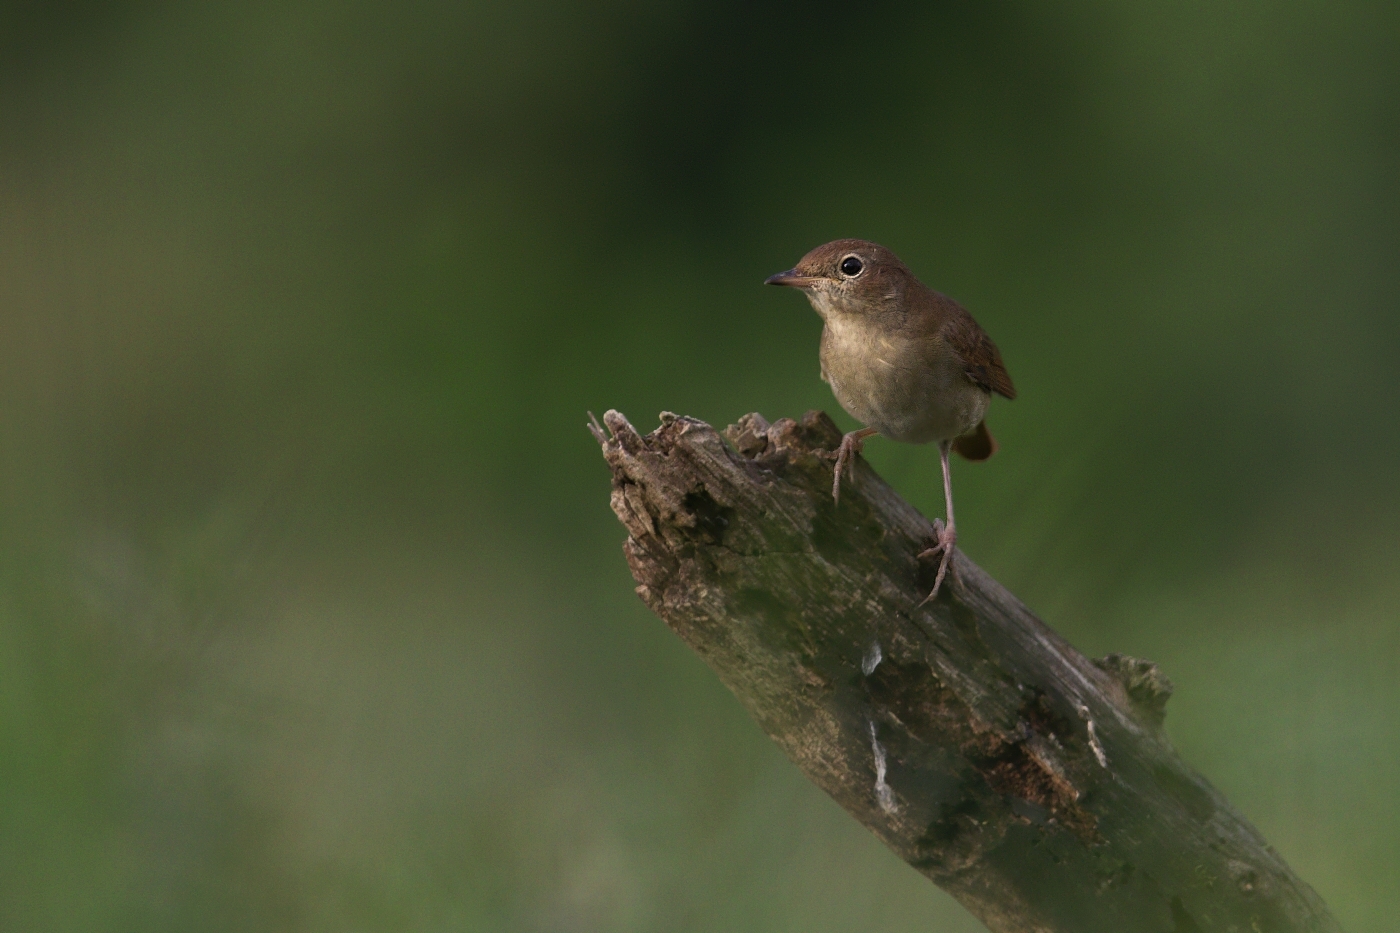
{"points": [[1032, 784]]}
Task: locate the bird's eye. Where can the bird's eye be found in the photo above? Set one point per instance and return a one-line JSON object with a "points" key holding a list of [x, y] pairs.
{"points": [[851, 266]]}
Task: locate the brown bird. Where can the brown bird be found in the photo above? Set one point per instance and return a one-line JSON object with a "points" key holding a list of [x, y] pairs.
{"points": [[903, 359]]}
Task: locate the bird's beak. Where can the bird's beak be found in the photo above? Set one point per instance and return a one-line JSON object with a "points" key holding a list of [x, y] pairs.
{"points": [[790, 277]]}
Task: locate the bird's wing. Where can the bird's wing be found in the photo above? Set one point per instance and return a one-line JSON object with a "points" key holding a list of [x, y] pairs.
{"points": [[980, 357]]}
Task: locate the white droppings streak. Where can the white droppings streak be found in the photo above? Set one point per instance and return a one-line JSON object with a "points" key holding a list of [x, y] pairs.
{"points": [[872, 659], [883, 792], [1094, 743]]}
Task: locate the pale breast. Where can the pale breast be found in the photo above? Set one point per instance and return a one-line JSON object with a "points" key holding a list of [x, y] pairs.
{"points": [[908, 390]]}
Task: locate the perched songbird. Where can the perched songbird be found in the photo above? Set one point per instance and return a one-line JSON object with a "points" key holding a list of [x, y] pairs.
{"points": [[901, 358]]}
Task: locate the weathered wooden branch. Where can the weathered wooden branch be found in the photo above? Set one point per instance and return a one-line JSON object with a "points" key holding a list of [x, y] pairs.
{"points": [[1032, 784]]}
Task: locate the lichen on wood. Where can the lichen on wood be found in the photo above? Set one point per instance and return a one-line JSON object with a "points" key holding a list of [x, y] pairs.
{"points": [[1034, 785]]}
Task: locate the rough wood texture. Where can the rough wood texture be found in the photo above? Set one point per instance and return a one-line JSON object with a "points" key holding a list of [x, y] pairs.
{"points": [[1033, 784]]}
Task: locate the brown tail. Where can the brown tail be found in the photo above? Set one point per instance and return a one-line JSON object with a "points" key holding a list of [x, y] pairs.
{"points": [[976, 445]]}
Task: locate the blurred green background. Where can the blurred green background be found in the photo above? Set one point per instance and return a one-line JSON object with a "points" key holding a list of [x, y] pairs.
{"points": [[313, 615]]}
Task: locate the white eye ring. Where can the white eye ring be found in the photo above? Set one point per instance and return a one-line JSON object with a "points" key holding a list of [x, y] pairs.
{"points": [[851, 266]]}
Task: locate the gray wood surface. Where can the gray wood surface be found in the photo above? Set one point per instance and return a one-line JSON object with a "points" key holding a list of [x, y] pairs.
{"points": [[1032, 784]]}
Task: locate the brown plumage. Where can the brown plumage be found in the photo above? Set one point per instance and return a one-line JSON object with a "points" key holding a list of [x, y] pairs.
{"points": [[980, 357], [907, 361], [976, 446]]}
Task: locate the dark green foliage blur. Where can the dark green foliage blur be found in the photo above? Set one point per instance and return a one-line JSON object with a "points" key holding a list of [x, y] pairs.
{"points": [[313, 615]]}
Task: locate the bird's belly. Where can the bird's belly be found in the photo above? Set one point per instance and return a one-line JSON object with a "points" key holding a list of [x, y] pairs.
{"points": [[916, 405]]}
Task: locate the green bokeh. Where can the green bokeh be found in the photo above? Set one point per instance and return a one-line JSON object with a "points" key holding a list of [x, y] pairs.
{"points": [[312, 612]]}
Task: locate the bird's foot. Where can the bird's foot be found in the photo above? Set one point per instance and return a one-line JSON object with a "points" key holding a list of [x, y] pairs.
{"points": [[947, 537], [852, 444]]}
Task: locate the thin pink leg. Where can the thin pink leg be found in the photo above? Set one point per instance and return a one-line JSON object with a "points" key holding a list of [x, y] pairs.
{"points": [[949, 533]]}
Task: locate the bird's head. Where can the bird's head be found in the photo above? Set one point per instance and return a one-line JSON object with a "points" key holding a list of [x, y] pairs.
{"points": [[848, 277]]}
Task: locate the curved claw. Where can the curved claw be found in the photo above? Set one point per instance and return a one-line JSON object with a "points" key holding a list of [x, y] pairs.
{"points": [[843, 456], [946, 539], [851, 444]]}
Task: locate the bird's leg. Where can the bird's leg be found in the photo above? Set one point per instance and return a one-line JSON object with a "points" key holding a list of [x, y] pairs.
{"points": [[851, 445], [948, 534]]}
